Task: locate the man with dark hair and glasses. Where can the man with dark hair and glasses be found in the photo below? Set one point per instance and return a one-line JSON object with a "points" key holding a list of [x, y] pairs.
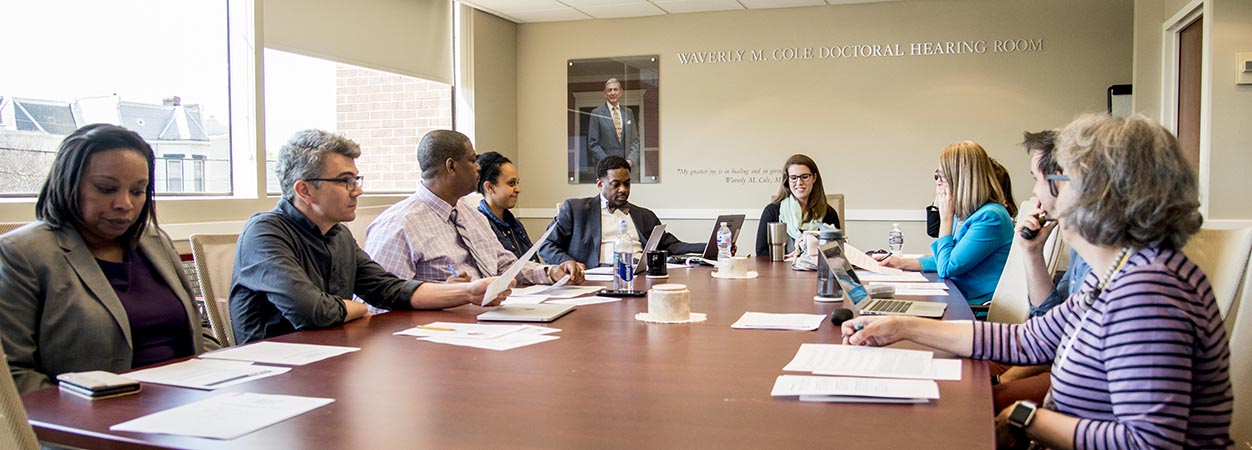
{"points": [[297, 267], [437, 233]]}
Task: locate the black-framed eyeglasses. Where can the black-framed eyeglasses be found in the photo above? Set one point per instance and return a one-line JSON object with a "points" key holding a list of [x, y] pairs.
{"points": [[1052, 179], [801, 177], [938, 175], [350, 183]]}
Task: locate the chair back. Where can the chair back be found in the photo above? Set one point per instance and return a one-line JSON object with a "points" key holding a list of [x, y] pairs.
{"points": [[1223, 256], [1239, 325], [1011, 301], [215, 263], [364, 217], [15, 431]]}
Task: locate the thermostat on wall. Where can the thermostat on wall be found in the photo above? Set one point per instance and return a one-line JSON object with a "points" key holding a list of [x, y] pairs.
{"points": [[1243, 68]]}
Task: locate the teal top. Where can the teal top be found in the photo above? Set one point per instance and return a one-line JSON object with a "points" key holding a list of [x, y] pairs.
{"points": [[974, 254]]}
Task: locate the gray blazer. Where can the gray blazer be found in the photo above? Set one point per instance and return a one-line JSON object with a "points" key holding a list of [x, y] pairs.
{"points": [[602, 137], [60, 314], [577, 235]]}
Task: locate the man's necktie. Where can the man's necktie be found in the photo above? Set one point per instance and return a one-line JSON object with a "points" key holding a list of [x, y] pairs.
{"points": [[617, 124], [464, 242]]}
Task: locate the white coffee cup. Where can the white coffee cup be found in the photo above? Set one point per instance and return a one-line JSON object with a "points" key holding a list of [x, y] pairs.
{"points": [[669, 302], [733, 267]]}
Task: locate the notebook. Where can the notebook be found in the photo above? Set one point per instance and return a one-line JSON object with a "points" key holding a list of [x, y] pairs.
{"points": [[859, 299], [542, 312], [735, 222]]}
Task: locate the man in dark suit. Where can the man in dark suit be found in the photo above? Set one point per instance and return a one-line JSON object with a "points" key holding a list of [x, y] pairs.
{"points": [[612, 130], [586, 227]]}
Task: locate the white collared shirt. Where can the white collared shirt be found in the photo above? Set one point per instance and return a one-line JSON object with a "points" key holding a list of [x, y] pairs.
{"points": [[608, 231]]}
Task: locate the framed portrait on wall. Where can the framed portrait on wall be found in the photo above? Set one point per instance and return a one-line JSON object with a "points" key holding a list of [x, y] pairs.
{"points": [[613, 110]]}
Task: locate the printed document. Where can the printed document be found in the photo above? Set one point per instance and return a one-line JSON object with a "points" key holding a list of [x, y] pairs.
{"points": [[496, 287], [280, 353], [206, 374], [770, 321], [906, 277], [461, 330], [226, 416], [580, 301], [507, 342], [860, 259], [789, 385]]}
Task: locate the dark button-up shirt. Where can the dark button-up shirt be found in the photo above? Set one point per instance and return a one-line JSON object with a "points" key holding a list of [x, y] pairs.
{"points": [[289, 276], [509, 231]]}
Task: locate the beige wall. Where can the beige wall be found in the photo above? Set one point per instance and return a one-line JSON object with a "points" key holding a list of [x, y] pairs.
{"points": [[1230, 154], [875, 126], [495, 84]]}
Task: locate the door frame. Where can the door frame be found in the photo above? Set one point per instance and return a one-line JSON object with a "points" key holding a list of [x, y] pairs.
{"points": [[1169, 83]]}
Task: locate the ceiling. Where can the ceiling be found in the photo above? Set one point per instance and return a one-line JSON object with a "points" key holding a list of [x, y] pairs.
{"points": [[531, 11]]}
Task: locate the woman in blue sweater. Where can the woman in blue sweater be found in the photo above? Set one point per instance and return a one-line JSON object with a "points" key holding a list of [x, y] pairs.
{"points": [[975, 230]]}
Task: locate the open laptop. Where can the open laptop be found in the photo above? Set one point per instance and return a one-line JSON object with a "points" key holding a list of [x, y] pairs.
{"points": [[542, 312], [709, 257], [858, 297], [654, 239]]}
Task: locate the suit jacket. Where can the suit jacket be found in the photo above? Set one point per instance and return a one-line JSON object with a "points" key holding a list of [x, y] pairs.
{"points": [[60, 314], [577, 235], [602, 137]]}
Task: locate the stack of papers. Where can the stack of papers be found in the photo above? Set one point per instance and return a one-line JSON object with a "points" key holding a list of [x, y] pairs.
{"points": [[555, 291], [865, 374], [280, 353], [206, 374], [484, 336], [225, 416], [768, 321]]}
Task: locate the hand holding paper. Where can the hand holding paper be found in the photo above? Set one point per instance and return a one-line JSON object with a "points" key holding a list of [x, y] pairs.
{"points": [[505, 281]]}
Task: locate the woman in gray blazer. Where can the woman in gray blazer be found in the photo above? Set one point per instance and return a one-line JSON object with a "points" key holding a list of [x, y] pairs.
{"points": [[93, 284]]}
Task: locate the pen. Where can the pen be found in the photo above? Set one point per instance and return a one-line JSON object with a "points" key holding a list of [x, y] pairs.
{"points": [[452, 268], [428, 327], [858, 327]]}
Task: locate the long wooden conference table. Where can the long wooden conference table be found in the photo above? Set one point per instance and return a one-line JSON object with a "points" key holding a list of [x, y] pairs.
{"points": [[608, 382]]}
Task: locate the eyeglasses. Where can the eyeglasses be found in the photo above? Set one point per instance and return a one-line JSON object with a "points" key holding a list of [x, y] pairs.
{"points": [[938, 175], [1052, 179], [351, 183], [801, 177]]}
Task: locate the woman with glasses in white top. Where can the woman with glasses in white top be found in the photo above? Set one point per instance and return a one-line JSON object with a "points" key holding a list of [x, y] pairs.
{"points": [[800, 204]]}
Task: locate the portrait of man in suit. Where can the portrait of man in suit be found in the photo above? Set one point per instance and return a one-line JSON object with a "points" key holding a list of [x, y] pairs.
{"points": [[612, 130]]}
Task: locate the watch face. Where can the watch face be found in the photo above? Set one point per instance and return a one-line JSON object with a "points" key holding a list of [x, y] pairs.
{"points": [[1020, 414]]}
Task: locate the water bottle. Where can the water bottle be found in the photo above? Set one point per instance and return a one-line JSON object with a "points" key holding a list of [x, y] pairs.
{"points": [[895, 239], [724, 236], [623, 259]]}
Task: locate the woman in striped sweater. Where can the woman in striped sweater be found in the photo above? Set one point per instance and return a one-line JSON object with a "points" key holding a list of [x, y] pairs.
{"points": [[1138, 354]]}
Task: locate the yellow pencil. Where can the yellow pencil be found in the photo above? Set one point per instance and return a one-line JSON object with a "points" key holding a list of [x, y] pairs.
{"points": [[428, 327]]}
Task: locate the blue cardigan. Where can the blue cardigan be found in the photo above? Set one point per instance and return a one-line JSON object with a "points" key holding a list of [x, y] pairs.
{"points": [[974, 254]]}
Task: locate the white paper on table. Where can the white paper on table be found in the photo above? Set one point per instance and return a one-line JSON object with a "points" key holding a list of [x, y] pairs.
{"points": [[557, 291], [580, 301], [536, 329], [899, 285], [206, 374], [877, 362], [496, 287], [507, 342], [226, 416], [860, 259], [946, 369], [475, 331], [524, 300], [603, 270], [789, 385], [771, 321], [922, 292], [906, 277], [851, 399], [598, 277], [672, 266], [280, 353]]}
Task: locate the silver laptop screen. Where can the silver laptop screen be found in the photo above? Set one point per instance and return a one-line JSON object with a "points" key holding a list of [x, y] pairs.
{"points": [[832, 255]]}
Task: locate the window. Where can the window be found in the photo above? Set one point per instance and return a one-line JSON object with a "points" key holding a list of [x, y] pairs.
{"points": [[156, 67], [386, 113], [173, 173]]}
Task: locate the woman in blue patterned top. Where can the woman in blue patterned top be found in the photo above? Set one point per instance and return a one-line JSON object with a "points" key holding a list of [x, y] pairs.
{"points": [[500, 186]]}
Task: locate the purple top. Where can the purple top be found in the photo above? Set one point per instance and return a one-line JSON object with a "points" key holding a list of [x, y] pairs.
{"points": [[1147, 366], [158, 320]]}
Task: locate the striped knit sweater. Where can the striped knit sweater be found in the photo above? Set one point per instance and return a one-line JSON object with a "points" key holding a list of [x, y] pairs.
{"points": [[1147, 367]]}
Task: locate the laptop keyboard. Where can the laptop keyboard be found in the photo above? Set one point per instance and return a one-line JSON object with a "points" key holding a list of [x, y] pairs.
{"points": [[890, 306]]}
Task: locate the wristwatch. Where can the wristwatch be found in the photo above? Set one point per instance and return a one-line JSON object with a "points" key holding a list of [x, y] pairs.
{"points": [[1022, 414]]}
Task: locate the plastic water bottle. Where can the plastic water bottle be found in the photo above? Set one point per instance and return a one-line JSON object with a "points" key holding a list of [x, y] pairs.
{"points": [[623, 259], [895, 239], [724, 236]]}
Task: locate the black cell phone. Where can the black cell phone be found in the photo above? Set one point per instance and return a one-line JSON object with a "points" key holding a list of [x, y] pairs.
{"points": [[623, 293]]}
